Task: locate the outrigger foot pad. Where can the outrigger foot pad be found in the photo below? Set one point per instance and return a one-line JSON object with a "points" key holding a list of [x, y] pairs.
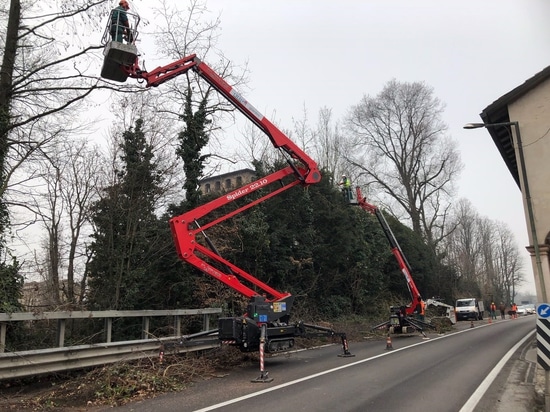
{"points": [[346, 355], [345, 348], [263, 378]]}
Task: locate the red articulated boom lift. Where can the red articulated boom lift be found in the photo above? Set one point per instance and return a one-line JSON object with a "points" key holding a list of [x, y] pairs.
{"points": [[402, 318], [266, 324]]}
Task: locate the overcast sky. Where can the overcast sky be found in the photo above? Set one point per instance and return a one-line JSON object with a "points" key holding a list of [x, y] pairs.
{"points": [[318, 53]]}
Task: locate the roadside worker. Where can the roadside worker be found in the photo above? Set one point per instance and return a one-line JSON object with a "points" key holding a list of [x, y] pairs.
{"points": [[502, 308], [493, 310], [421, 309], [346, 187], [514, 311], [402, 314]]}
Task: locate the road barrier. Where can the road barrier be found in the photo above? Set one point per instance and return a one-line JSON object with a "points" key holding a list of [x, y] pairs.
{"points": [[34, 362]]}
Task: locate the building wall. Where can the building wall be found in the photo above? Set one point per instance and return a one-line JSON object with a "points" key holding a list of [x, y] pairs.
{"points": [[226, 182], [42, 295], [532, 111]]}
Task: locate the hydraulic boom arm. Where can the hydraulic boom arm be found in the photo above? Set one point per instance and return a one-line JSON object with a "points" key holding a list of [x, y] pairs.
{"points": [[162, 74], [185, 227], [265, 326], [395, 248]]}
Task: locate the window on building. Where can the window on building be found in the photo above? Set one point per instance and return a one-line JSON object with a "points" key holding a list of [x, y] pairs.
{"points": [[228, 183], [218, 186], [207, 188], [239, 181]]}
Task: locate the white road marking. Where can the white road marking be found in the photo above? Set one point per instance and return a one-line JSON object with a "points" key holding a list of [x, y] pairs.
{"points": [[478, 394], [468, 406]]}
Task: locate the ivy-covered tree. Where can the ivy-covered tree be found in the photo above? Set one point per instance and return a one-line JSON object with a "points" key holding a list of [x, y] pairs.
{"points": [[192, 140], [187, 287], [11, 286]]}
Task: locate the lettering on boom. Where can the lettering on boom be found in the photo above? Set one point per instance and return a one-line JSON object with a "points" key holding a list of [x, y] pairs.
{"points": [[247, 105], [211, 271], [243, 191], [237, 193], [409, 280]]}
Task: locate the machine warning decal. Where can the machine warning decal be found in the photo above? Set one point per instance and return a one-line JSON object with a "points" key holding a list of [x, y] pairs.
{"points": [[279, 306]]}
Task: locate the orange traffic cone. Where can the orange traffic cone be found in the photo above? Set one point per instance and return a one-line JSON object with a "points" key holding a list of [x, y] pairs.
{"points": [[490, 320], [388, 343]]}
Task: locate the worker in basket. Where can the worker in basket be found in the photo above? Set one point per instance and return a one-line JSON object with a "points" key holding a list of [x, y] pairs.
{"points": [[120, 27], [346, 187]]}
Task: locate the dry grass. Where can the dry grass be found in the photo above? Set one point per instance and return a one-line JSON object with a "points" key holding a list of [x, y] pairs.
{"points": [[118, 383]]}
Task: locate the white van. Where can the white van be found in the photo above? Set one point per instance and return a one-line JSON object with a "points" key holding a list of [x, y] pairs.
{"points": [[469, 308]]}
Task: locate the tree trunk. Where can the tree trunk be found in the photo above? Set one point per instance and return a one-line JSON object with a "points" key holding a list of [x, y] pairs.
{"points": [[6, 92], [6, 76]]}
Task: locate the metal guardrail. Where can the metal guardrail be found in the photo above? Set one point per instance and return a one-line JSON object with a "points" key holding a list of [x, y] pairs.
{"points": [[36, 362], [41, 361]]}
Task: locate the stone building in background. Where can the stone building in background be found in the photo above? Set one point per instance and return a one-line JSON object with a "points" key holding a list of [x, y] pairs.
{"points": [[226, 182]]}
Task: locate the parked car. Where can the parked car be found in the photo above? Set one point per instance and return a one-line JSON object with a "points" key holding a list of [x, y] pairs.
{"points": [[524, 310], [521, 311], [530, 309]]}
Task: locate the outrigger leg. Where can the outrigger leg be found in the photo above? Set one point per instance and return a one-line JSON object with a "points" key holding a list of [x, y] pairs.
{"points": [[264, 375], [345, 349], [329, 332]]}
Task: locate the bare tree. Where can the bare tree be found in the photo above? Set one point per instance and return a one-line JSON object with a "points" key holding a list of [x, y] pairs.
{"points": [[507, 263], [329, 144], [42, 74], [187, 28], [305, 135], [254, 146], [484, 255], [66, 184], [79, 189], [463, 245], [398, 142], [48, 71]]}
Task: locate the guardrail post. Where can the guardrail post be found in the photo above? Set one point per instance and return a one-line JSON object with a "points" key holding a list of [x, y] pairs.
{"points": [[60, 333], [205, 322], [108, 329], [177, 325], [146, 320], [3, 328]]}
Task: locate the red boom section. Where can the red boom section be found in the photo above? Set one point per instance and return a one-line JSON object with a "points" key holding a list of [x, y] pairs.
{"points": [[186, 226], [279, 139], [185, 229], [395, 248]]}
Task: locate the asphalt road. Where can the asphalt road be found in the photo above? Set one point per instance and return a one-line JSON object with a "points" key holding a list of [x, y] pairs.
{"points": [[440, 373]]}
